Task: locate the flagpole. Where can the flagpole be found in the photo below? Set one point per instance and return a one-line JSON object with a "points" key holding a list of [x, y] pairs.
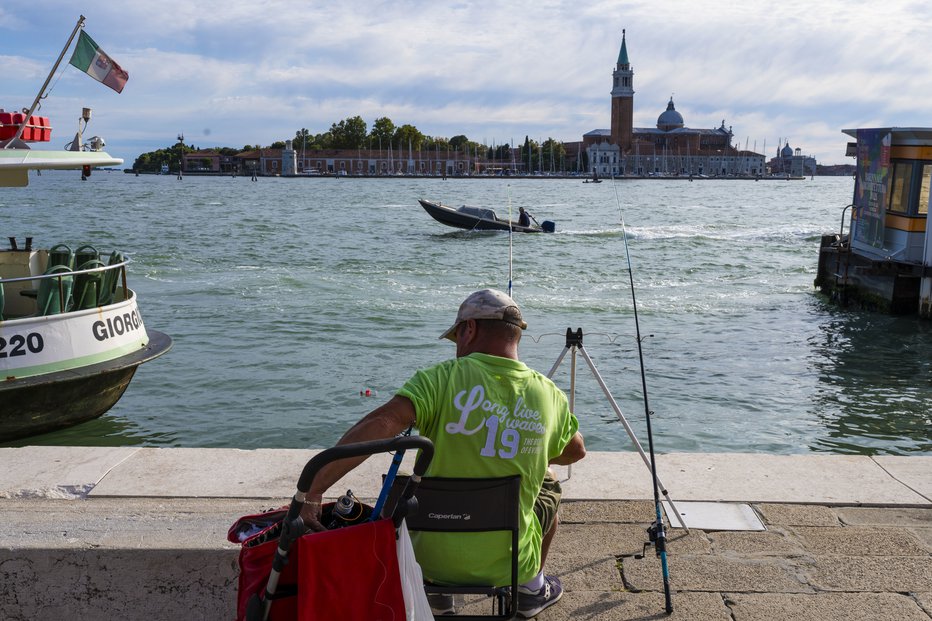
{"points": [[35, 103]]}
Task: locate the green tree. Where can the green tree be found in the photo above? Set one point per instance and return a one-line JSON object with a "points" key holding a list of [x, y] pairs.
{"points": [[383, 131], [554, 155], [153, 160], [356, 132], [458, 142], [348, 134], [409, 136], [530, 155], [475, 149], [322, 141], [501, 153], [436, 144], [302, 137], [146, 162]]}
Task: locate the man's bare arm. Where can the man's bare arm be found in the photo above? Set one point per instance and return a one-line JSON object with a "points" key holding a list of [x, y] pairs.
{"points": [[386, 421], [572, 452]]}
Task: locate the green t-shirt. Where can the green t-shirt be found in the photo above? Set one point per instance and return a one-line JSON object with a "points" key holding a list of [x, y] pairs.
{"points": [[488, 417]]}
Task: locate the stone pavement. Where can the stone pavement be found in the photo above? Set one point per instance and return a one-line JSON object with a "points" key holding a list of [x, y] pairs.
{"points": [[127, 533], [812, 562]]}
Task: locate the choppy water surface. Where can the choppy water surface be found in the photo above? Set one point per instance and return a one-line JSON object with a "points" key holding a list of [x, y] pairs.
{"points": [[288, 297]]}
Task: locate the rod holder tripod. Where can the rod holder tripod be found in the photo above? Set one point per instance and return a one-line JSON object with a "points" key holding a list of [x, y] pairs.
{"points": [[574, 346]]}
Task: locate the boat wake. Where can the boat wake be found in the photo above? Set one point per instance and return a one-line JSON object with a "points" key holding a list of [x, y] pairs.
{"points": [[683, 232]]}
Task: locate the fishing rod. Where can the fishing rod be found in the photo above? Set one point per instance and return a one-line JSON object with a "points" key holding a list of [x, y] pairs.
{"points": [[389, 479], [511, 232], [655, 532]]}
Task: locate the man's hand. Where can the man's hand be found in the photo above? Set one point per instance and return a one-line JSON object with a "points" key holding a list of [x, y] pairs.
{"points": [[311, 511]]}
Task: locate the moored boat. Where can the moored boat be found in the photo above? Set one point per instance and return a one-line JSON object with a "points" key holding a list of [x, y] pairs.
{"points": [[884, 259], [479, 219], [71, 334], [71, 338]]}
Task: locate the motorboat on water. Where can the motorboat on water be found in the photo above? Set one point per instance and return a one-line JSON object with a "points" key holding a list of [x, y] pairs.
{"points": [[71, 334], [479, 219]]}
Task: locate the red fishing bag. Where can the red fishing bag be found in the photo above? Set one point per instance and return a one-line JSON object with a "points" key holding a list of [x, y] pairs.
{"points": [[258, 534], [350, 573], [347, 573]]}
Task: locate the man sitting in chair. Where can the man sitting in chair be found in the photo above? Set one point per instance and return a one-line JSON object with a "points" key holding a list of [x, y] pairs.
{"points": [[488, 415]]}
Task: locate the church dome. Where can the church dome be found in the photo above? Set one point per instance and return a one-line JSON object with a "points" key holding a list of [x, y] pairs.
{"points": [[670, 118], [787, 151]]}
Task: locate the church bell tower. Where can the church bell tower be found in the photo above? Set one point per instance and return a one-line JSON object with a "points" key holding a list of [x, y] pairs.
{"points": [[623, 99]]}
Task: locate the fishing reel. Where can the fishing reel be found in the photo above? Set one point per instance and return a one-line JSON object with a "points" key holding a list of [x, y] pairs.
{"points": [[656, 537], [346, 511]]}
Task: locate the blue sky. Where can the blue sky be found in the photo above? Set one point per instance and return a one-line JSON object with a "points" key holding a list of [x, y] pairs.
{"points": [[233, 73]]}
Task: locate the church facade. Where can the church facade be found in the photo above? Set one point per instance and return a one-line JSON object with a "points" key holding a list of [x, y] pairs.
{"points": [[792, 163], [669, 149]]}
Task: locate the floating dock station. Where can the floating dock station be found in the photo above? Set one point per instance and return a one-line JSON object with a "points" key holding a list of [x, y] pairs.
{"points": [[884, 259]]}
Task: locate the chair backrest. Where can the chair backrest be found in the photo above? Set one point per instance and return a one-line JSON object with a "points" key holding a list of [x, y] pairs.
{"points": [[87, 286], [470, 505], [110, 279], [84, 254], [61, 254], [54, 293]]}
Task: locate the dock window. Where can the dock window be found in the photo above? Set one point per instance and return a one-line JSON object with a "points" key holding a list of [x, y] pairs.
{"points": [[899, 196], [924, 189]]}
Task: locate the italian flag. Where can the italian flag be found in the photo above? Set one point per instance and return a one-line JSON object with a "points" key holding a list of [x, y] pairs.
{"points": [[92, 60]]}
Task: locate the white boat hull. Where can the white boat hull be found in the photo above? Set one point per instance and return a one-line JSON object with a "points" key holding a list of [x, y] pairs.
{"points": [[38, 345], [63, 369]]}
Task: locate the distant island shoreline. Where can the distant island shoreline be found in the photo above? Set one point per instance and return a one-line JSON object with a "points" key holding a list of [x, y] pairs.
{"points": [[569, 176]]}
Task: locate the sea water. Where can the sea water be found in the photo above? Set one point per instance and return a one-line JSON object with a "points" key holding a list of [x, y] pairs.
{"points": [[297, 305]]}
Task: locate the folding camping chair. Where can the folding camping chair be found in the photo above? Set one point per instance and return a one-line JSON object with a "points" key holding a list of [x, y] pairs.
{"points": [[491, 504]]}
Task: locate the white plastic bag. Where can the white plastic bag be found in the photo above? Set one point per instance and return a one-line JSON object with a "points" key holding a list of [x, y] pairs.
{"points": [[412, 580]]}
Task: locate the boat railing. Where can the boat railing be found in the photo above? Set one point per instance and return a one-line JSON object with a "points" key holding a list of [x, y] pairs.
{"points": [[64, 278]]}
